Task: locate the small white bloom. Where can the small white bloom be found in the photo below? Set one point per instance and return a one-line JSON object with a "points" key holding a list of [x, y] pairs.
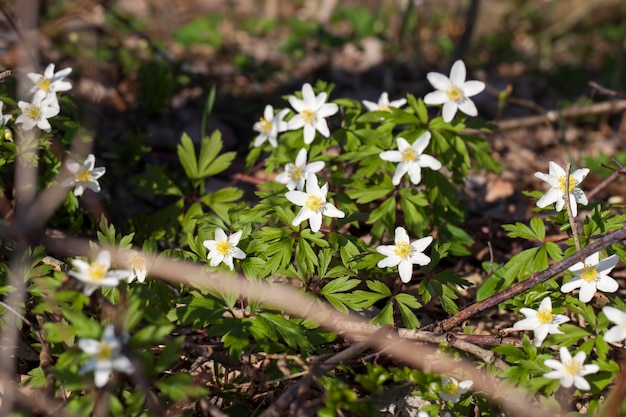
{"points": [[556, 178], [38, 112], [84, 176], [313, 203], [591, 276], [411, 159], [422, 414], [451, 389], [97, 273], [138, 266], [616, 333], [312, 110], [295, 174], [224, 248], [383, 103], [107, 356], [404, 253], [542, 322], [4, 118], [454, 92], [269, 126], [570, 370], [49, 83]]}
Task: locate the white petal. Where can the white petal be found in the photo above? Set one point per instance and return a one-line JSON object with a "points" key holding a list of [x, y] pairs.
{"points": [[468, 107], [607, 264], [435, 98], [586, 292], [301, 158], [614, 315], [421, 244], [89, 346], [419, 259], [556, 170], [104, 259], [607, 284], [234, 238], [615, 334], [439, 81], [327, 110], [391, 156], [322, 127], [415, 173], [332, 211], [449, 110], [401, 236], [548, 198], [315, 221], [421, 143], [101, 376], [389, 262], [220, 235], [458, 73], [314, 167], [428, 161], [471, 88], [405, 269], [297, 197], [309, 134], [571, 285]]}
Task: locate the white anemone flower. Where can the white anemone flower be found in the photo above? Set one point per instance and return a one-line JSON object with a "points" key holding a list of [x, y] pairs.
{"points": [[451, 389], [97, 273], [38, 112], [383, 103], [106, 355], [312, 110], [295, 175], [570, 371], [138, 266], [454, 92], [84, 175], [542, 322], [404, 253], [616, 333], [224, 248], [314, 204], [556, 179], [411, 159], [269, 126], [49, 83], [591, 276]]}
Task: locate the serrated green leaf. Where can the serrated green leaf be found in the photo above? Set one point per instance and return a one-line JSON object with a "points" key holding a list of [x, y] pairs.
{"points": [[340, 285]]}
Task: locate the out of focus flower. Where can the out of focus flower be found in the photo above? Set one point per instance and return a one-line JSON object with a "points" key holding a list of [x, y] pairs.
{"points": [[542, 322], [556, 179], [224, 248], [312, 112], [451, 389], [591, 276], [49, 83], [454, 92], [269, 126], [97, 273], [616, 333], [4, 119], [383, 103], [38, 112], [570, 371], [411, 159], [295, 175], [84, 176], [314, 204], [106, 355], [138, 266], [404, 253]]}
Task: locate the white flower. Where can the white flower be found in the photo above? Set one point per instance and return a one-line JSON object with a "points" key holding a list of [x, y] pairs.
{"points": [[97, 273], [224, 248], [556, 178], [107, 356], [49, 83], [295, 174], [542, 322], [570, 370], [138, 266], [313, 203], [454, 92], [451, 389], [312, 110], [615, 333], [4, 118], [269, 126], [592, 275], [411, 159], [383, 103], [38, 112], [404, 254], [84, 176]]}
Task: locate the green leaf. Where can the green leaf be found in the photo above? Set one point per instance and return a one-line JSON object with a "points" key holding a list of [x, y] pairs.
{"points": [[408, 317], [187, 156], [180, 387], [385, 316], [571, 335], [340, 285]]}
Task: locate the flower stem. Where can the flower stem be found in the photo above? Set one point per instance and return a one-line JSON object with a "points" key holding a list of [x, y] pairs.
{"points": [[570, 216]]}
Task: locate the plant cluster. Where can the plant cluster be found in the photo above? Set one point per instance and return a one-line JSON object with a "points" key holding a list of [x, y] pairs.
{"points": [[362, 211]]}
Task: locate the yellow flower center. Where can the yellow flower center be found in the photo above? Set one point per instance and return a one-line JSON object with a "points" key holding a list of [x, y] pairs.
{"points": [[308, 116], [314, 203], [572, 366], [223, 248], [450, 387], [454, 93], [32, 112], [409, 155], [83, 175], [266, 125], [295, 172], [589, 273], [137, 261], [544, 315], [571, 185], [96, 271], [384, 107], [44, 83], [105, 351], [403, 250]]}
